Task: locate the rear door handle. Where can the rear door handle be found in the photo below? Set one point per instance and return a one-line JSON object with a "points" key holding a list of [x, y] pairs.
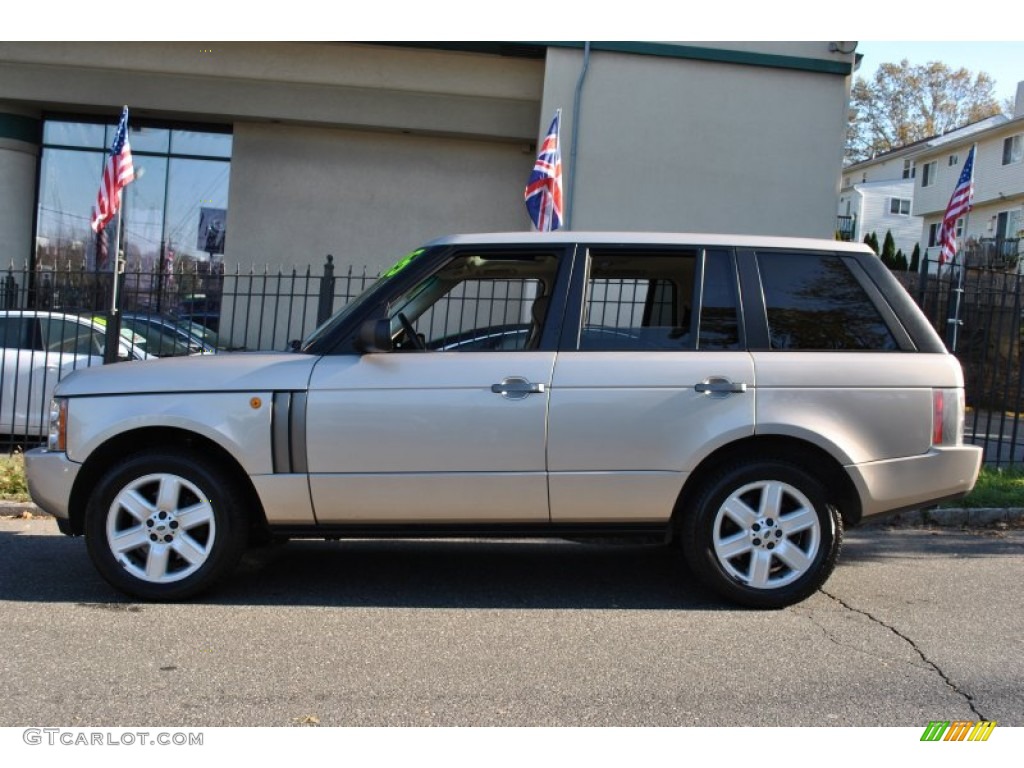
{"points": [[516, 388], [720, 385]]}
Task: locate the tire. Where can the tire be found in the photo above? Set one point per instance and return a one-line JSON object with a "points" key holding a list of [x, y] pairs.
{"points": [[163, 526], [763, 534]]}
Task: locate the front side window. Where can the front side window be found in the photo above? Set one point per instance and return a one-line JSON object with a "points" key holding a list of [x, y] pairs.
{"points": [[814, 302], [909, 169], [479, 302]]}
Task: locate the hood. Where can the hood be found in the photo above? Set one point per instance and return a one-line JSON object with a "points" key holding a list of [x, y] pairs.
{"points": [[230, 372]]}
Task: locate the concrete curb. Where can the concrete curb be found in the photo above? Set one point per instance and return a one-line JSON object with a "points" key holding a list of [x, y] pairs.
{"points": [[980, 517], [951, 518]]}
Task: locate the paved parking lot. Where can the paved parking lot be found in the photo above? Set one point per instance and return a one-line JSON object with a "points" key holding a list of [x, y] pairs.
{"points": [[914, 626]]}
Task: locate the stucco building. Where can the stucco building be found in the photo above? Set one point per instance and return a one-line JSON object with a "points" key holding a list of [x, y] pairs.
{"points": [[364, 150]]}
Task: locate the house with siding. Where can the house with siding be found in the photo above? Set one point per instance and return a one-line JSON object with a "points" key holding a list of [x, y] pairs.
{"points": [[877, 195], [990, 235]]}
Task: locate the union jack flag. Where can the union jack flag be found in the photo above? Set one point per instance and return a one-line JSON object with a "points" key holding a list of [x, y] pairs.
{"points": [[117, 174], [959, 205], [544, 189]]}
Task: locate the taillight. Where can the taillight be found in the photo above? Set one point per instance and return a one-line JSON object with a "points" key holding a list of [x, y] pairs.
{"points": [[947, 416]]}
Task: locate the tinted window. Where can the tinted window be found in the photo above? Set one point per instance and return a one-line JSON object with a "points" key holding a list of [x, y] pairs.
{"points": [[15, 331], [719, 316], [815, 302]]}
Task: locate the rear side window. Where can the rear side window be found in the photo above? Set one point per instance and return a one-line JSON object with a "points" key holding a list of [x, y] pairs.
{"points": [[639, 301], [646, 301], [814, 302]]}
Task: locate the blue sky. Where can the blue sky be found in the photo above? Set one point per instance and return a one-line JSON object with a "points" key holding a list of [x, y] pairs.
{"points": [[1003, 60]]}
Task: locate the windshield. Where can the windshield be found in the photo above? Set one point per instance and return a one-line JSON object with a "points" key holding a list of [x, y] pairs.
{"points": [[339, 317]]}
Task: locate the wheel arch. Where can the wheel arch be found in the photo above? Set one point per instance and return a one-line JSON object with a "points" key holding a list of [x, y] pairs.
{"points": [[157, 438], [812, 458]]}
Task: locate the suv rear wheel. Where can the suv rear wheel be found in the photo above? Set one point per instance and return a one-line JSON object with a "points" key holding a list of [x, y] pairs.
{"points": [[763, 534], [163, 526]]}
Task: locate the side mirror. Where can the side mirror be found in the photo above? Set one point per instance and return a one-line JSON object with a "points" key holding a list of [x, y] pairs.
{"points": [[375, 336]]}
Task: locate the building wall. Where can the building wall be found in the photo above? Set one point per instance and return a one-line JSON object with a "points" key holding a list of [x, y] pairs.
{"points": [[298, 193], [19, 158], [681, 145], [363, 151], [992, 180]]}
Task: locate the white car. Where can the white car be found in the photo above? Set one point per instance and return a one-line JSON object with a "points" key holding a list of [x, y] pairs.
{"points": [[40, 349]]}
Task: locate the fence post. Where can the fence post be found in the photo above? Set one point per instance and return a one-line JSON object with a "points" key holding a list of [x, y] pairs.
{"points": [[10, 290], [325, 305]]}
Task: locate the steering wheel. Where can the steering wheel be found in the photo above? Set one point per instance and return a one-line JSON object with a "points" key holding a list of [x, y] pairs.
{"points": [[411, 332]]}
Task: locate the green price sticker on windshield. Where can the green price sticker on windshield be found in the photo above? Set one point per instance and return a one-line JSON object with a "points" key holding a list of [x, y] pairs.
{"points": [[404, 262]]}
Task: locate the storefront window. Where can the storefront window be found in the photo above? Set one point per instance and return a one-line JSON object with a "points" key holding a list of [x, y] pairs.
{"points": [[174, 213]]}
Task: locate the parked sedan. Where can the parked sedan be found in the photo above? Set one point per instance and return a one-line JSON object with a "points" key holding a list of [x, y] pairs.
{"points": [[39, 349]]}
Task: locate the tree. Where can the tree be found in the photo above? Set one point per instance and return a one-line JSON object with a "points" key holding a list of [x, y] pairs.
{"points": [[872, 242], [892, 258], [905, 102], [915, 258]]}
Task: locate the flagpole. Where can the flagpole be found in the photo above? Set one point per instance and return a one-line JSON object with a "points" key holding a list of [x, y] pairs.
{"points": [[117, 256], [958, 292]]}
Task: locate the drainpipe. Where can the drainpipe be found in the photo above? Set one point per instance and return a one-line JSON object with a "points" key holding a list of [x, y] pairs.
{"points": [[575, 134]]}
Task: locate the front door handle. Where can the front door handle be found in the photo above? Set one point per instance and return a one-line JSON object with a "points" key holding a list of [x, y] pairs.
{"points": [[721, 386], [516, 388]]}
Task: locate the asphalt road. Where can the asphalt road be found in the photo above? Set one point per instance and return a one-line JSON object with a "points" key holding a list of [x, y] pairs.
{"points": [[913, 626]]}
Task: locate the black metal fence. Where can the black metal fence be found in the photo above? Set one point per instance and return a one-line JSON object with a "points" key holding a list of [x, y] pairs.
{"points": [[54, 319], [978, 311]]}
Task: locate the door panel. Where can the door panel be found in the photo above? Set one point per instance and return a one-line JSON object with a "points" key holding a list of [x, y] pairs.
{"points": [[626, 428], [421, 437]]}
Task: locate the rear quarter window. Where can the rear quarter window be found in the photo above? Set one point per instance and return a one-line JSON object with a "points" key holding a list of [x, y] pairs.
{"points": [[814, 302]]}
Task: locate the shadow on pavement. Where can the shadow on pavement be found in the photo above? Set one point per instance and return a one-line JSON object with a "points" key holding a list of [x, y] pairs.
{"points": [[533, 574]]}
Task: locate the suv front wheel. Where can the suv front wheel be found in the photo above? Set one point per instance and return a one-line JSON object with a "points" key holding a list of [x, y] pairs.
{"points": [[763, 534], [164, 525]]}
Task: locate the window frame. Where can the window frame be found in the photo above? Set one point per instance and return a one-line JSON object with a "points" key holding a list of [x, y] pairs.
{"points": [[872, 291], [1013, 149], [928, 173], [897, 203], [572, 326]]}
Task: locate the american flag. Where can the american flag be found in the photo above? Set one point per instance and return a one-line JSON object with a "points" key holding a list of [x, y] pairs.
{"points": [[959, 205], [117, 174], [544, 189]]}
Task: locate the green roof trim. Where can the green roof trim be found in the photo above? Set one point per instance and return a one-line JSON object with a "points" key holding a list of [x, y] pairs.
{"points": [[536, 50], [21, 128], [718, 55]]}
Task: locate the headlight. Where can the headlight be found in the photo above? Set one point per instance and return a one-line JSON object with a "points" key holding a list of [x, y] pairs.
{"points": [[56, 439]]}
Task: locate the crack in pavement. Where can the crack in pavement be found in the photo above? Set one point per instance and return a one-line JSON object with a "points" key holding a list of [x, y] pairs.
{"points": [[945, 678]]}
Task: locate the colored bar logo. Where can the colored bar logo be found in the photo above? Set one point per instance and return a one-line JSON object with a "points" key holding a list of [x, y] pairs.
{"points": [[958, 730]]}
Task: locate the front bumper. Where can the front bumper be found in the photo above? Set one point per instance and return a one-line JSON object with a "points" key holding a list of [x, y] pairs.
{"points": [[916, 481], [50, 476]]}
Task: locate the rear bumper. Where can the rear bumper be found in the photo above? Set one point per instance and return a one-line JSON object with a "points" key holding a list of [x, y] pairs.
{"points": [[916, 481], [51, 476]]}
